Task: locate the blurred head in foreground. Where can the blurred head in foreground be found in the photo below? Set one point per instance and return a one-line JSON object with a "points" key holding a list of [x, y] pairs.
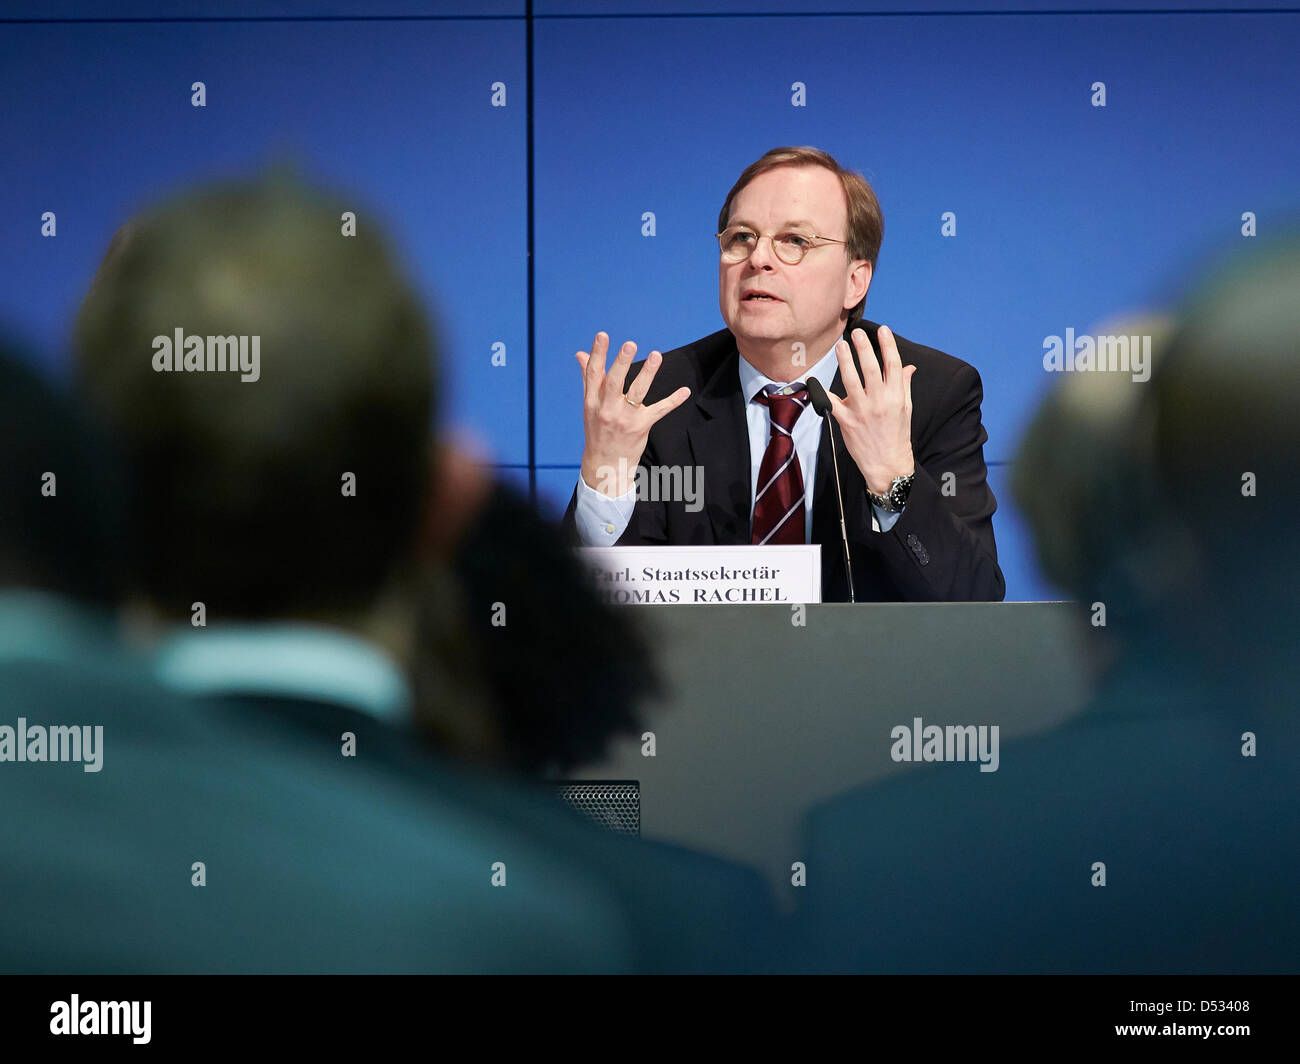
{"points": [[270, 381], [1223, 420], [565, 676], [1173, 502], [1082, 479], [59, 526]]}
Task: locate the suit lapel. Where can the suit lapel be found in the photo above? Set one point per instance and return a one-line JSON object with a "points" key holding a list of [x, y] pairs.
{"points": [[719, 443]]}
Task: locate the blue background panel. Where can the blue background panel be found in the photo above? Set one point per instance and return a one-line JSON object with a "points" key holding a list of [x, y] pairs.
{"points": [[884, 7], [555, 485], [1068, 215], [397, 116], [230, 9]]}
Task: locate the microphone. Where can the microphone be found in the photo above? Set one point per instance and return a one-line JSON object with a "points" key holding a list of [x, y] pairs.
{"points": [[821, 402]]}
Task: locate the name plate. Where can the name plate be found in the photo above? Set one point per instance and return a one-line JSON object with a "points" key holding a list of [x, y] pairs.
{"points": [[672, 576]]}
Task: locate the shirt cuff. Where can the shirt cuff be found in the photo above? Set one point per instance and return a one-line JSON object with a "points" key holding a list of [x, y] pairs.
{"points": [[881, 520], [600, 519]]}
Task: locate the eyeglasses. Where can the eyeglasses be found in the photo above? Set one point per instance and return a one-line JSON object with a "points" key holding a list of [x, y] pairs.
{"points": [[738, 243]]}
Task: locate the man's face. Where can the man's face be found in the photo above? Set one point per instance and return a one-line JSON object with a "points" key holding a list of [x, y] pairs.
{"points": [[807, 299]]}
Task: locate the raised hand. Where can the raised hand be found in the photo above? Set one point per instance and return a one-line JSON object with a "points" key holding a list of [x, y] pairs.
{"points": [[875, 414], [617, 425]]}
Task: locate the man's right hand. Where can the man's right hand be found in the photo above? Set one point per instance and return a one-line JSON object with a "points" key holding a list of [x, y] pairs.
{"points": [[617, 426]]}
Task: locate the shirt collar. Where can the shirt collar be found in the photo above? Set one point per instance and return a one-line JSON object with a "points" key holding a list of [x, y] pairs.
{"points": [[752, 381], [287, 660]]}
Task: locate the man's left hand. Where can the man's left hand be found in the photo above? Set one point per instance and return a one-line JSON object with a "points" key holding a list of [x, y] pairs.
{"points": [[875, 416]]}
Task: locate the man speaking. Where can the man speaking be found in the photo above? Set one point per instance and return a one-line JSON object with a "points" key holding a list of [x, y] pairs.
{"points": [[799, 236]]}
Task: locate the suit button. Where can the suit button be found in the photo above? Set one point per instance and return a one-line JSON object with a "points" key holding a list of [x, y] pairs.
{"points": [[918, 549]]}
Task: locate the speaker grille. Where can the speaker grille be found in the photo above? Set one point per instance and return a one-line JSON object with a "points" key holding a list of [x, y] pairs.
{"points": [[613, 804]]}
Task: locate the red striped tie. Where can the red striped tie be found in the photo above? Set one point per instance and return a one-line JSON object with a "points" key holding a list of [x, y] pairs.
{"points": [[778, 500]]}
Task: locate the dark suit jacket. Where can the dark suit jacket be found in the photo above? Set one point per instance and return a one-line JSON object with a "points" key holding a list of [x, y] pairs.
{"points": [[315, 863], [942, 868], [940, 549], [682, 911]]}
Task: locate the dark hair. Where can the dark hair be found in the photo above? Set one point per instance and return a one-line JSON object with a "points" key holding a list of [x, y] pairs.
{"points": [[562, 678], [866, 224], [60, 530], [236, 493]]}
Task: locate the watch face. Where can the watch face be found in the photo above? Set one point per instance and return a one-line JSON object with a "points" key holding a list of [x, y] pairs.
{"points": [[895, 498], [898, 493]]}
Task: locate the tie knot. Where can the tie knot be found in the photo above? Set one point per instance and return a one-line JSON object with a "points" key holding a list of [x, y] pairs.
{"points": [[786, 402]]}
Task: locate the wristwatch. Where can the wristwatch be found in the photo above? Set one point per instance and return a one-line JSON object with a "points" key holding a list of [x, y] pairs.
{"points": [[895, 498]]}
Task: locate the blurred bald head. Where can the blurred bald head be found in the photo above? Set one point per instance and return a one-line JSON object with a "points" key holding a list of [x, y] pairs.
{"points": [[1079, 459], [1228, 403], [1224, 421], [239, 480]]}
